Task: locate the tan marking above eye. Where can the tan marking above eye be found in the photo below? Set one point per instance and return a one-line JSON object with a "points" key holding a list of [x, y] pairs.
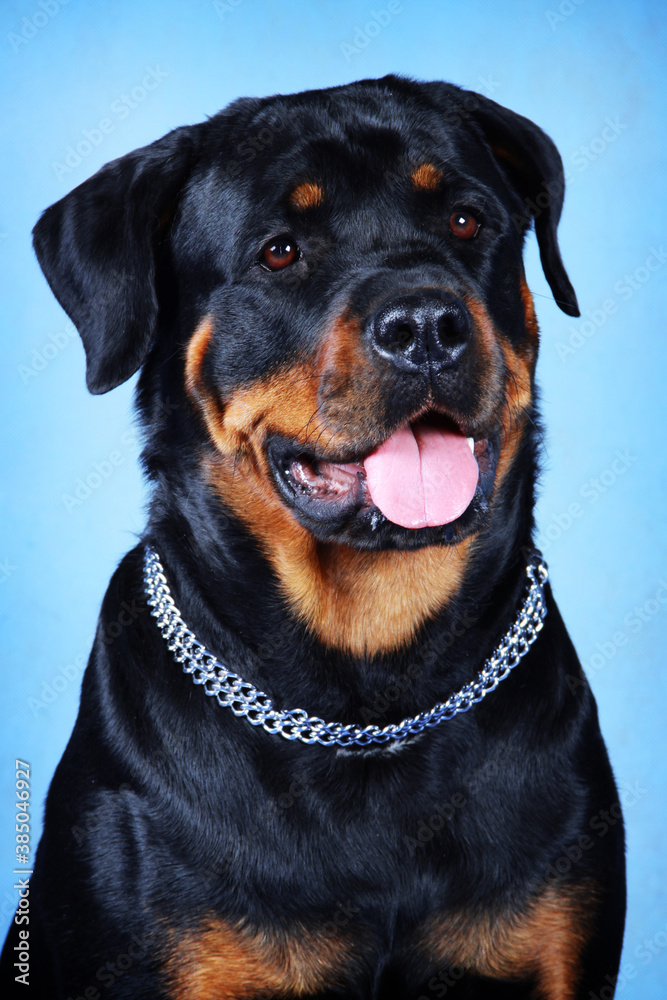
{"points": [[426, 177], [306, 195]]}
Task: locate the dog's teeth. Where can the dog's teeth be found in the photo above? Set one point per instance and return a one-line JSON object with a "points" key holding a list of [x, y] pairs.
{"points": [[471, 443]]}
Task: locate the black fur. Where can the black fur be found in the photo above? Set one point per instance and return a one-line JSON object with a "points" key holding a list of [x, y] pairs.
{"points": [[167, 809]]}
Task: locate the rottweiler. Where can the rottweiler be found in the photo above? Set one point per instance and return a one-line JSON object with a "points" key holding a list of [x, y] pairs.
{"points": [[334, 740]]}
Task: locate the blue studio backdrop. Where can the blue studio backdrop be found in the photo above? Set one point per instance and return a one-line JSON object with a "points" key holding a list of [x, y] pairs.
{"points": [[84, 83]]}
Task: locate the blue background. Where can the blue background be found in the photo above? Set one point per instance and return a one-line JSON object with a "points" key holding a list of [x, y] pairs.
{"points": [[590, 73]]}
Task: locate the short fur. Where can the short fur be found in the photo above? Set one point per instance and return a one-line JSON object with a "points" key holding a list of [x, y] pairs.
{"points": [[186, 853]]}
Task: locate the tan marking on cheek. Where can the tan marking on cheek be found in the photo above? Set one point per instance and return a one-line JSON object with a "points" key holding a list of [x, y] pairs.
{"points": [[350, 384], [518, 399], [285, 402], [546, 941], [506, 384], [519, 386], [488, 366], [209, 405], [195, 354], [306, 195], [223, 962], [341, 349], [529, 310], [426, 177]]}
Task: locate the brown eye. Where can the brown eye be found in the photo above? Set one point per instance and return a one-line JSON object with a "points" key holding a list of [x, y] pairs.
{"points": [[279, 253], [463, 224]]}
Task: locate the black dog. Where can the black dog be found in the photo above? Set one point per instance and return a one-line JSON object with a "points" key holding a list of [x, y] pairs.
{"points": [[326, 297]]}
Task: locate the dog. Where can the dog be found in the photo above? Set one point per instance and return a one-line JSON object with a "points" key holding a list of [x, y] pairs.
{"points": [[334, 740]]}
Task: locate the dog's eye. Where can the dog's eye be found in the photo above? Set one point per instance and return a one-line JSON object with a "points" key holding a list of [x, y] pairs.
{"points": [[279, 253], [463, 224]]}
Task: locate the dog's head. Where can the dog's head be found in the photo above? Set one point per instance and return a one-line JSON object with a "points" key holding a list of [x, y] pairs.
{"points": [[336, 279]]}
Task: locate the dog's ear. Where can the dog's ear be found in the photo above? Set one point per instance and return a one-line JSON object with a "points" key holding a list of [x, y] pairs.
{"points": [[97, 248], [533, 163], [533, 166]]}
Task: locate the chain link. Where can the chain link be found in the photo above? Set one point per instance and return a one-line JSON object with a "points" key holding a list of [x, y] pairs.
{"points": [[231, 691]]}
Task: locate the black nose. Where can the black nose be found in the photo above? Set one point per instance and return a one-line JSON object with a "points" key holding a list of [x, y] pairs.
{"points": [[421, 329]]}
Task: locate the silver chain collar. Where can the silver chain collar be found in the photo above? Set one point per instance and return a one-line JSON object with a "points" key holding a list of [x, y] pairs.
{"points": [[231, 691]]}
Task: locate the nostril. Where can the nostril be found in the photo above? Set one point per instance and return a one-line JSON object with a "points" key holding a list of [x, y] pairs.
{"points": [[452, 328], [402, 337]]}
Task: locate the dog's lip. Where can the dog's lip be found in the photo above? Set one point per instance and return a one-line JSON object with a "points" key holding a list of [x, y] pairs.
{"points": [[332, 486], [322, 486], [357, 456]]}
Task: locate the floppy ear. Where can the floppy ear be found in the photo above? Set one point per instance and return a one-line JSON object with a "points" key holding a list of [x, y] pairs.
{"points": [[97, 248], [533, 166]]}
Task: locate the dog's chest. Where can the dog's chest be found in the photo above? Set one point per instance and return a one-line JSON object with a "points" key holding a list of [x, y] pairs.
{"points": [[542, 944]]}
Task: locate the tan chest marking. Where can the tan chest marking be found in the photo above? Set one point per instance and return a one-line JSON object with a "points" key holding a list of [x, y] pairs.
{"points": [[223, 962], [545, 941]]}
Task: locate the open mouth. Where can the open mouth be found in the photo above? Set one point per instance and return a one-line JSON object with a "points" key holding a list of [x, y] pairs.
{"points": [[427, 474]]}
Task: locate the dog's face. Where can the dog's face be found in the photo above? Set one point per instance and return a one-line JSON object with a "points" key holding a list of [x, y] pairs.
{"points": [[342, 273]]}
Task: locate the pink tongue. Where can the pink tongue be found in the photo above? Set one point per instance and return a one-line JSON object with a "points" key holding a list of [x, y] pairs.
{"points": [[422, 478]]}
